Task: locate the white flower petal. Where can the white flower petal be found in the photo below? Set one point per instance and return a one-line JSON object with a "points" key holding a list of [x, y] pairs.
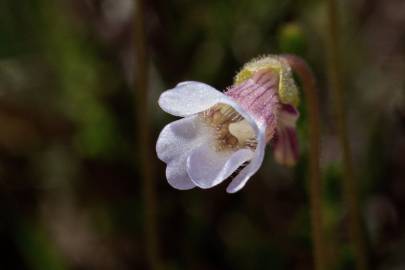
{"points": [[176, 137], [175, 143], [188, 98], [241, 179], [176, 174], [208, 167]]}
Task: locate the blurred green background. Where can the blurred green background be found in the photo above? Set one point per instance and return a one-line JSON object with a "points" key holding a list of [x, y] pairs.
{"points": [[70, 185]]}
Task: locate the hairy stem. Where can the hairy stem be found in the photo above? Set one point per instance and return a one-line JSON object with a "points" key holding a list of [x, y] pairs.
{"points": [[143, 137], [308, 81], [349, 181]]}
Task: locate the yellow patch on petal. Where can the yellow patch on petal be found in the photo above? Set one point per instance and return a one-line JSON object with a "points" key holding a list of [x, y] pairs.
{"points": [[243, 131]]}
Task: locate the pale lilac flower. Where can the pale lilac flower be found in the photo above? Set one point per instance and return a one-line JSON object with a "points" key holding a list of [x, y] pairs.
{"points": [[224, 135]]}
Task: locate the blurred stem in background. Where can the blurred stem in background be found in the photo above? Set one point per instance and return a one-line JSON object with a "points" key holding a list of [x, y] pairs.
{"points": [[308, 81], [143, 135], [349, 182]]}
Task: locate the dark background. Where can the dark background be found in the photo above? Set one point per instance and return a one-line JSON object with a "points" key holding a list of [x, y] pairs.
{"points": [[70, 185]]}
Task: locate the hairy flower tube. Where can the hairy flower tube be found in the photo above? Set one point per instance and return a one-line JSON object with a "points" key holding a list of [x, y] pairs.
{"points": [[223, 135]]}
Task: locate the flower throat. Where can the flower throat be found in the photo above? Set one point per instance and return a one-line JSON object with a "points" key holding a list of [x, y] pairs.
{"points": [[231, 130]]}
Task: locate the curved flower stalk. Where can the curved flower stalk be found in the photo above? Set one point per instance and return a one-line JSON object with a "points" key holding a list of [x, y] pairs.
{"points": [[299, 66], [224, 135]]}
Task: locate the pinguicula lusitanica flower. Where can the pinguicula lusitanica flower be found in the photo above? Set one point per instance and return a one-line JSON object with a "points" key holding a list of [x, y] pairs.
{"points": [[224, 134]]}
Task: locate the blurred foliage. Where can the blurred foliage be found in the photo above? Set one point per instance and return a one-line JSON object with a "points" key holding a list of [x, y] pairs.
{"points": [[70, 191]]}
